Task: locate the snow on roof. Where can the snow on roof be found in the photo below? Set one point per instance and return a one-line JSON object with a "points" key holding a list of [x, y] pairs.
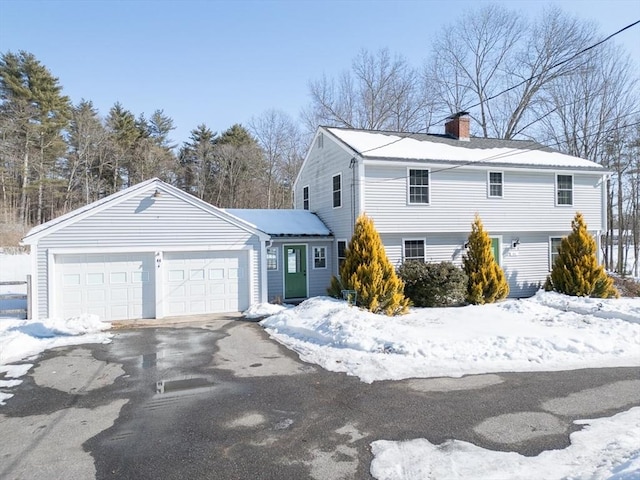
{"points": [[282, 222], [388, 145]]}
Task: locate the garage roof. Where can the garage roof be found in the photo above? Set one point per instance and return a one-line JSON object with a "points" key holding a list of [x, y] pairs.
{"points": [[282, 222]]}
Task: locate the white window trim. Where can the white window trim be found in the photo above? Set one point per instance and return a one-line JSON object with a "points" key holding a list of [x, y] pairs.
{"points": [[308, 197], [572, 190], [341, 189], [314, 258], [551, 252], [276, 249], [424, 247], [489, 184], [409, 202]]}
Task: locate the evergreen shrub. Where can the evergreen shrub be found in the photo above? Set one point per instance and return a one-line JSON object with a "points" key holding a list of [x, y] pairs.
{"points": [[433, 284], [367, 270], [576, 270], [486, 280]]}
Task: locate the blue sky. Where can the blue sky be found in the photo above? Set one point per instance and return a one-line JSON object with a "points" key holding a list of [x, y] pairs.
{"points": [[221, 63]]}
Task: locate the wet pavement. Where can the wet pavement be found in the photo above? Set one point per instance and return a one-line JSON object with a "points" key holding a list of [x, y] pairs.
{"points": [[224, 401]]}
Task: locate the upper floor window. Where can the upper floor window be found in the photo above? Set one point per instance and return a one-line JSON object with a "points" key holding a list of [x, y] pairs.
{"points": [[554, 245], [414, 250], [495, 184], [305, 198], [342, 248], [337, 190], [319, 257], [418, 186], [564, 189], [272, 258]]}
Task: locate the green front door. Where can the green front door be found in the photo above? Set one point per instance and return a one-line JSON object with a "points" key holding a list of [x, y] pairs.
{"points": [[495, 248], [295, 271]]}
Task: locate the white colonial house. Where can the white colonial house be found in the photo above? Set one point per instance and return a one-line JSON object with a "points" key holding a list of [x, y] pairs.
{"points": [[423, 190], [154, 251]]}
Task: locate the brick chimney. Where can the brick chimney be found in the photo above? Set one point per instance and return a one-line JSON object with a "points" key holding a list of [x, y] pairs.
{"points": [[458, 126]]}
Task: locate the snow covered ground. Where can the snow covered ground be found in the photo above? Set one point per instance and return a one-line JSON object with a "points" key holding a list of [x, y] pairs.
{"points": [[24, 339], [544, 333]]}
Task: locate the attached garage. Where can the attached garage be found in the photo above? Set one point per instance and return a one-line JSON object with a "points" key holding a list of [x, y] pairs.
{"points": [[149, 251]]}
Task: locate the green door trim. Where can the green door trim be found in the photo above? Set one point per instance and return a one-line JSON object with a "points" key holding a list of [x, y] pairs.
{"points": [[295, 271]]}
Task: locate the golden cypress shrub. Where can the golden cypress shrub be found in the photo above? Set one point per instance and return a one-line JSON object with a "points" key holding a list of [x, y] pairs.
{"points": [[367, 270], [487, 282], [576, 270]]}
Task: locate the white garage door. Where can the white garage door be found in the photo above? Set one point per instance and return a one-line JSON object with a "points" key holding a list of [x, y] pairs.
{"points": [[112, 286], [206, 282]]}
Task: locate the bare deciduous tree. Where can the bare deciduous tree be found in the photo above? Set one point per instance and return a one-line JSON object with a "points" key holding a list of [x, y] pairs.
{"points": [[380, 92]]}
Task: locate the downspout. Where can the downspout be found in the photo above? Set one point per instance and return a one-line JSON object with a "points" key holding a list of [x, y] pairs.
{"points": [[353, 166]]}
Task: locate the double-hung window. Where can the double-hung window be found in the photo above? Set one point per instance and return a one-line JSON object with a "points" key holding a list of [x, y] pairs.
{"points": [[418, 186], [554, 245], [272, 258], [342, 247], [319, 257], [305, 198], [564, 189], [495, 184], [337, 190], [414, 250]]}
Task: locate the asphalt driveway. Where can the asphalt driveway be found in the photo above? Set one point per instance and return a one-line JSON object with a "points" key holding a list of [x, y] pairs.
{"points": [[221, 400]]}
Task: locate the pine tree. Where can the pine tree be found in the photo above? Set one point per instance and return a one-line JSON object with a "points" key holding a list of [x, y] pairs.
{"points": [[487, 283], [576, 270], [367, 270]]}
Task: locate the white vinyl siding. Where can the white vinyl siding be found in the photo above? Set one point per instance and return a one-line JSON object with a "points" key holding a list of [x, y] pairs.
{"points": [[564, 189], [457, 194], [318, 279], [525, 269], [418, 186], [146, 224], [495, 184], [317, 171]]}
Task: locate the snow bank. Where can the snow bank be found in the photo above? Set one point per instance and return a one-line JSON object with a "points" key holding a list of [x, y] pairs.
{"points": [[259, 310], [545, 333], [22, 339], [606, 448]]}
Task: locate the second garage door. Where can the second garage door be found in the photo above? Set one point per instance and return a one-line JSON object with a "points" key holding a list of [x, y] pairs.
{"points": [[206, 282]]}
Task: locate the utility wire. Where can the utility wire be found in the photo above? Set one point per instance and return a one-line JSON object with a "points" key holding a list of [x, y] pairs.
{"points": [[533, 77], [513, 152]]}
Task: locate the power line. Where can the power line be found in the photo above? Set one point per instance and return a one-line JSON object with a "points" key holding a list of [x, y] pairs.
{"points": [[513, 152], [533, 77]]}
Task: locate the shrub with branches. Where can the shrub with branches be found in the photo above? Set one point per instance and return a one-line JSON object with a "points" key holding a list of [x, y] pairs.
{"points": [[486, 280], [576, 270], [433, 284], [367, 270]]}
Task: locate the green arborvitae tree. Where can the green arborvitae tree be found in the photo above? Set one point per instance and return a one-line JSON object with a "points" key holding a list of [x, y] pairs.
{"points": [[576, 270], [367, 270], [487, 283]]}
